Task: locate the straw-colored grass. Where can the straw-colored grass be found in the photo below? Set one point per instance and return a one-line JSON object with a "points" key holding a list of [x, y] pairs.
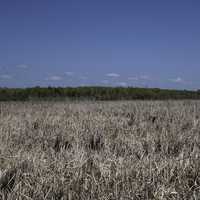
{"points": [[100, 150]]}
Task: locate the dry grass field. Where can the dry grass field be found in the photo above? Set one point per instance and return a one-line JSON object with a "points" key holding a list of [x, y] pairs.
{"points": [[100, 150]]}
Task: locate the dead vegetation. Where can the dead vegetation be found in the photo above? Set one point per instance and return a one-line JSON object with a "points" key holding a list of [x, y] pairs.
{"points": [[100, 150]]}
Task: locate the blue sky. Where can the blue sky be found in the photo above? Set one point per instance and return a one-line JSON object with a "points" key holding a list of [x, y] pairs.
{"points": [[100, 42]]}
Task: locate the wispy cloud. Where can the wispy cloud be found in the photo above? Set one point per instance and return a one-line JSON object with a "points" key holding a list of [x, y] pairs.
{"points": [[145, 77], [83, 77], [177, 80], [133, 78], [114, 75], [23, 66], [105, 81], [122, 84], [84, 84], [5, 76], [69, 73], [54, 78]]}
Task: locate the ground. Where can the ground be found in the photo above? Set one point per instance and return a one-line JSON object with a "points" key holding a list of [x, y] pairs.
{"points": [[100, 150]]}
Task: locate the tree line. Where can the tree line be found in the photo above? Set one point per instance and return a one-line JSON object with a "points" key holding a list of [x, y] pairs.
{"points": [[94, 93]]}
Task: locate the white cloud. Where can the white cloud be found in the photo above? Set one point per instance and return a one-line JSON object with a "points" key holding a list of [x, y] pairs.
{"points": [[23, 66], [69, 73], [114, 75], [54, 78], [5, 76], [177, 80]]}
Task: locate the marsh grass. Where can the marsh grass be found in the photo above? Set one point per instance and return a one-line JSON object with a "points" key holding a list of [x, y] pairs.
{"points": [[100, 150]]}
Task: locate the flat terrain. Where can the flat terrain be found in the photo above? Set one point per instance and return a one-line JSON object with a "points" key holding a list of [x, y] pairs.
{"points": [[100, 150]]}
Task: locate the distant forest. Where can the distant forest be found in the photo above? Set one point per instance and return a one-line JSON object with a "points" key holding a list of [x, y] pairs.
{"points": [[94, 93]]}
